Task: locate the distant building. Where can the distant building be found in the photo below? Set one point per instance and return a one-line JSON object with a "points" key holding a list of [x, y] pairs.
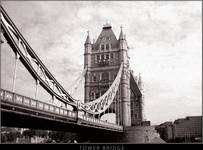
{"points": [[166, 131], [187, 129]]}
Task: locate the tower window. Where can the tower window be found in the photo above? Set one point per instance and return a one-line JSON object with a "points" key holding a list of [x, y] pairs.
{"points": [[114, 76], [98, 57], [97, 95], [94, 78], [102, 47], [135, 115], [107, 46], [92, 95], [111, 55], [102, 57], [102, 92], [107, 56], [105, 76]]}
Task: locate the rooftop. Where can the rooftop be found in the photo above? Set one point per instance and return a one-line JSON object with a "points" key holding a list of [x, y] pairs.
{"points": [[107, 26], [106, 34]]}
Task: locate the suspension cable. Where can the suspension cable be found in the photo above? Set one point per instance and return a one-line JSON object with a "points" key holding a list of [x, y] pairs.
{"points": [[72, 89]]}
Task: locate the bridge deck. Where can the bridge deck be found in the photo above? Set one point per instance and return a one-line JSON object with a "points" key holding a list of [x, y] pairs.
{"points": [[21, 111]]}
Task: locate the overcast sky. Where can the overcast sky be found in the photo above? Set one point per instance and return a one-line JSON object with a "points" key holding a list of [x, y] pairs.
{"points": [[165, 40]]}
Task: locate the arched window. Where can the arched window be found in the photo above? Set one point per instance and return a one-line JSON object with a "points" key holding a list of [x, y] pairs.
{"points": [[94, 78], [107, 46], [107, 56], [135, 115], [102, 47], [102, 57], [92, 95], [97, 58], [112, 55], [97, 95], [105, 76]]}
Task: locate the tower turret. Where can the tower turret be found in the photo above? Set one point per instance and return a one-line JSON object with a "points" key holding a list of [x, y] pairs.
{"points": [[125, 80], [88, 41], [123, 46], [121, 36], [87, 64], [141, 98], [88, 48], [140, 82]]}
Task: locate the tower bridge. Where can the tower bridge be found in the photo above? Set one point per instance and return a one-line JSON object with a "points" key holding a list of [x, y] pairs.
{"points": [[110, 88]]}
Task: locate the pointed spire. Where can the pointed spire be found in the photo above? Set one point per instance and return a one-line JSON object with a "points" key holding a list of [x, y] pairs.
{"points": [[88, 38], [140, 81], [121, 36], [136, 79], [140, 78]]}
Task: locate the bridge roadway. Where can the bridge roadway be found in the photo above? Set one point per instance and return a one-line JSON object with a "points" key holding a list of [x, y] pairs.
{"points": [[25, 112]]}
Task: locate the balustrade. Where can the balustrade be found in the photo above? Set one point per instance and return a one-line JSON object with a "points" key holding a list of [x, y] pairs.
{"points": [[29, 102]]}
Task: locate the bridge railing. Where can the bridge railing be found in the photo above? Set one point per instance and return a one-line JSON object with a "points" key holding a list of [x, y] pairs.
{"points": [[29, 102], [36, 104], [101, 122]]}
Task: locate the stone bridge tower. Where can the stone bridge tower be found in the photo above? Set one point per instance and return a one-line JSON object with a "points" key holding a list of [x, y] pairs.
{"points": [[103, 58]]}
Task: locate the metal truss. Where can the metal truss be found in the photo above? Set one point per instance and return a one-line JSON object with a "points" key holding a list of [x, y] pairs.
{"points": [[32, 62], [101, 104]]}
